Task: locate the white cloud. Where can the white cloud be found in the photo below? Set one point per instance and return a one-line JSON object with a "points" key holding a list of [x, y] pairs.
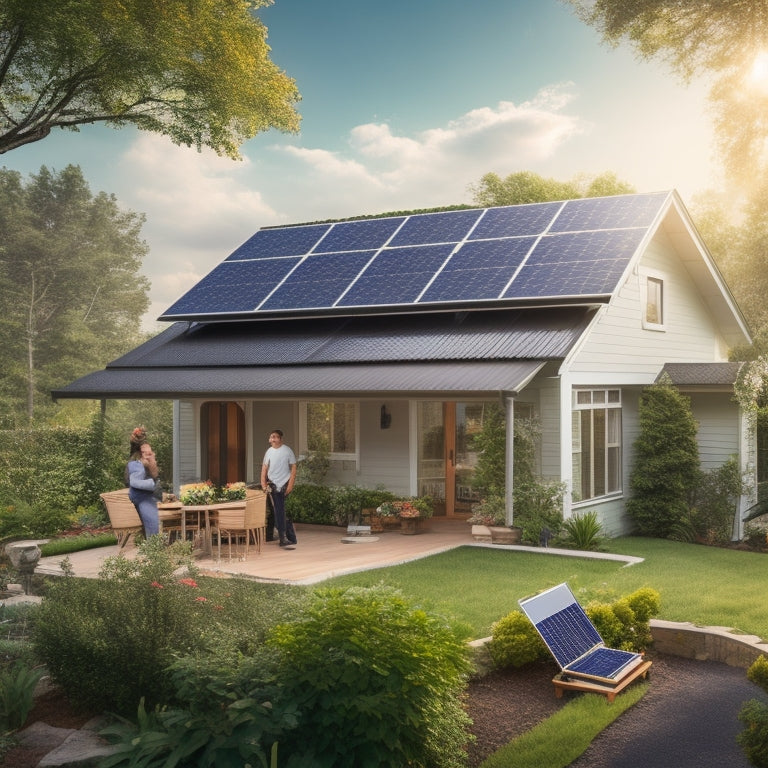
{"points": [[435, 166]]}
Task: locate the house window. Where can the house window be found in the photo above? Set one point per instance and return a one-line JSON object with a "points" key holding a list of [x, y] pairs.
{"points": [[596, 447], [331, 427], [653, 314]]}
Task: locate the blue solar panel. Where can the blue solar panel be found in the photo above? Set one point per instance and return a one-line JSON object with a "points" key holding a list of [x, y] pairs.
{"points": [[516, 221], [572, 638], [318, 281], [445, 227], [608, 212], [234, 287], [285, 241], [479, 270], [571, 248], [396, 276], [359, 235]]}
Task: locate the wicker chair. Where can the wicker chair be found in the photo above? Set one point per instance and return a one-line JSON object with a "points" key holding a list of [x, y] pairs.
{"points": [[244, 522], [123, 516]]}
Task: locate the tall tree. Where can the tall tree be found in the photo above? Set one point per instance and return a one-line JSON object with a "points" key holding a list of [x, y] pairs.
{"points": [[70, 287], [528, 187], [197, 71], [723, 38]]}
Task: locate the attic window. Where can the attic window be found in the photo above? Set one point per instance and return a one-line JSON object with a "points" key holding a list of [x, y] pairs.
{"points": [[653, 310]]}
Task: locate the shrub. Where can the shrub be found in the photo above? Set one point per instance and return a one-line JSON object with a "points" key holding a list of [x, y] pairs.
{"points": [[515, 641], [17, 686], [310, 504], [754, 714], [231, 716], [625, 623], [713, 504], [536, 506], [108, 641], [583, 531], [376, 680], [666, 465]]}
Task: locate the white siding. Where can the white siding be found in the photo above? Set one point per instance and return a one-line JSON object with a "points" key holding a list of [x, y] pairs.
{"points": [[619, 349], [717, 417], [384, 456]]}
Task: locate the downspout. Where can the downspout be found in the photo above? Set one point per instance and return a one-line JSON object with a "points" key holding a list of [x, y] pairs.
{"points": [[509, 407]]}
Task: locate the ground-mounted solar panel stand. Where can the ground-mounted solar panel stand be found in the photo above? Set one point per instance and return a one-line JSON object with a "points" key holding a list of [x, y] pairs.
{"points": [[586, 664]]}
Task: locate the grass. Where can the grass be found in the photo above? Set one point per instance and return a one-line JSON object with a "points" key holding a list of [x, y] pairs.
{"points": [[564, 736], [67, 544], [703, 585]]}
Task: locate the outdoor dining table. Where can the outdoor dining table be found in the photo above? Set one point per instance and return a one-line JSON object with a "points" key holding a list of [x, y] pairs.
{"points": [[208, 512]]}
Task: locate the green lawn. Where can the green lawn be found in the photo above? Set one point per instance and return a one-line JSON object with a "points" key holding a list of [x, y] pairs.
{"points": [[703, 585]]}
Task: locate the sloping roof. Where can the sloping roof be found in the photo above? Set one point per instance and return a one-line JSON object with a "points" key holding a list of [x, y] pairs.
{"points": [[472, 352], [713, 375], [562, 251]]}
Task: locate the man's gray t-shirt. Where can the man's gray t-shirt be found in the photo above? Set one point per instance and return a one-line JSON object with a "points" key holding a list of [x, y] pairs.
{"points": [[279, 461]]}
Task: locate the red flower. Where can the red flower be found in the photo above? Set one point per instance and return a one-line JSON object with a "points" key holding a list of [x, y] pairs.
{"points": [[157, 584], [188, 582], [201, 599]]}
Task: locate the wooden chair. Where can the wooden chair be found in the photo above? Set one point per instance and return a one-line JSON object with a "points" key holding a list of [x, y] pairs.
{"points": [[123, 516], [246, 522]]}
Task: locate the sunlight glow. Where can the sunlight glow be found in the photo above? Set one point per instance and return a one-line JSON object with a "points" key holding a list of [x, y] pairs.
{"points": [[758, 75]]}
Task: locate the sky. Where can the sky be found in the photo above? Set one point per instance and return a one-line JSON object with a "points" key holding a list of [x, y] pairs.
{"points": [[405, 104]]}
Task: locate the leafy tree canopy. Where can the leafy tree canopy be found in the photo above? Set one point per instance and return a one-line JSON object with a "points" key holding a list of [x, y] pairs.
{"points": [[70, 285], [528, 187], [720, 37], [197, 71]]}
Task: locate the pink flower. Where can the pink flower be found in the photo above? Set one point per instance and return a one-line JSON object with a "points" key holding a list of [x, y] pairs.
{"points": [[201, 599], [157, 584], [188, 582]]}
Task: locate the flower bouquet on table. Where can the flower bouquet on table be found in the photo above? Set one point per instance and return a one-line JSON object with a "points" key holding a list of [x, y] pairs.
{"points": [[197, 494], [232, 492]]}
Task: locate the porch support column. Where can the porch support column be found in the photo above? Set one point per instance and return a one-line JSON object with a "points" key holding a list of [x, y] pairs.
{"points": [[509, 478], [748, 455]]}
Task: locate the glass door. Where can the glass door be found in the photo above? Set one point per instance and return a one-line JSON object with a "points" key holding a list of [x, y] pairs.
{"points": [[448, 450]]}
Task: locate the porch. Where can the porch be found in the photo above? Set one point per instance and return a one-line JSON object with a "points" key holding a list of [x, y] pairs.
{"points": [[320, 554]]}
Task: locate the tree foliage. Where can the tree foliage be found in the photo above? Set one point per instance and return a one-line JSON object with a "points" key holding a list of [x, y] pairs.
{"points": [[197, 71], [528, 187], [716, 37], [69, 284], [666, 461]]}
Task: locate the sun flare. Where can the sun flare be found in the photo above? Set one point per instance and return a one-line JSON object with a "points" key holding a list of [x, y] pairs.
{"points": [[758, 74]]}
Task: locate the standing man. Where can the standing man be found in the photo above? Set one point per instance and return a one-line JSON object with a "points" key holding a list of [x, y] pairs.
{"points": [[278, 473]]}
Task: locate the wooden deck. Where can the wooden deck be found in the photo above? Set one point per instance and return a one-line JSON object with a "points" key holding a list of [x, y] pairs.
{"points": [[321, 553]]}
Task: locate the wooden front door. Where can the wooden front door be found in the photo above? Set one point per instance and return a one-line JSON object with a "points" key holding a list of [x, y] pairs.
{"points": [[222, 427]]}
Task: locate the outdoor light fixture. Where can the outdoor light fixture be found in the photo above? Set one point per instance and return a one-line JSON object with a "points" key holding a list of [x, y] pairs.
{"points": [[386, 417]]}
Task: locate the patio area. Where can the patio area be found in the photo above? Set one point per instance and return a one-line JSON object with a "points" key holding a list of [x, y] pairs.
{"points": [[322, 552]]}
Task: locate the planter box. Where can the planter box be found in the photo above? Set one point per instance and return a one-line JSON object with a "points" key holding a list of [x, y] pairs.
{"points": [[481, 533], [412, 525], [501, 534]]}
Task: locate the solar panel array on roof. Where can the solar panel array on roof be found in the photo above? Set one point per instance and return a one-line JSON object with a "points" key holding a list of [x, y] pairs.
{"points": [[576, 248]]}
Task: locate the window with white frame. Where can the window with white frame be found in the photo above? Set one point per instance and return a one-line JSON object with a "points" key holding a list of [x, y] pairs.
{"points": [[653, 310], [331, 427], [596, 446]]}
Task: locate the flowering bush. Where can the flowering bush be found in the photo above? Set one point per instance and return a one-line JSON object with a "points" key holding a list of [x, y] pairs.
{"points": [[198, 493], [421, 507], [233, 491]]}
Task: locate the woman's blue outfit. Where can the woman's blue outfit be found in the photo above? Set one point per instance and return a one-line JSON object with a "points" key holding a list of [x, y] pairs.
{"points": [[141, 491]]}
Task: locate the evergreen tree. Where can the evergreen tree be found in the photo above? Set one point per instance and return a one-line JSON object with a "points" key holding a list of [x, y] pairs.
{"points": [[666, 460]]}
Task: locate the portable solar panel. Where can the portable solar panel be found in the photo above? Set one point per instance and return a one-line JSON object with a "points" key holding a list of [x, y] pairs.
{"points": [[573, 640]]}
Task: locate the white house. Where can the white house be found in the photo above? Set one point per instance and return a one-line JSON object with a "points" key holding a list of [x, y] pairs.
{"points": [[390, 335]]}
